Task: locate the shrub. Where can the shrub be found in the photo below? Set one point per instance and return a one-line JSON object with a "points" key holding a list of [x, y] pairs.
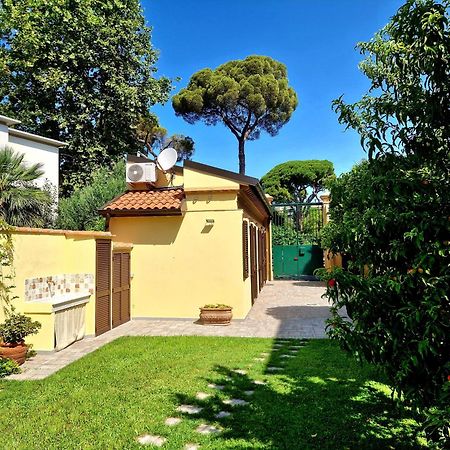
{"points": [[216, 306], [17, 327], [391, 215], [8, 367], [79, 211]]}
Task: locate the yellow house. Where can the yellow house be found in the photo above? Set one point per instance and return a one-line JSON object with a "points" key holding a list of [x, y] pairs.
{"points": [[197, 236]]}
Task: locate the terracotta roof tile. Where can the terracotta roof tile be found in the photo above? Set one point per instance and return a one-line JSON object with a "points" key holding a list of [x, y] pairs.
{"points": [[149, 200]]}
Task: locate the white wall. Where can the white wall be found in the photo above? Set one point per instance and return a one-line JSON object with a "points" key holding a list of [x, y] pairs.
{"points": [[4, 135], [38, 152]]}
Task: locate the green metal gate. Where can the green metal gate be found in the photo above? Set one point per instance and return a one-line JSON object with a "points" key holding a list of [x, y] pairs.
{"points": [[296, 239]]}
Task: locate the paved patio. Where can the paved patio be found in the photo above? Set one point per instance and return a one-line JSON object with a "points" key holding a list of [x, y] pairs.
{"points": [[285, 309]]}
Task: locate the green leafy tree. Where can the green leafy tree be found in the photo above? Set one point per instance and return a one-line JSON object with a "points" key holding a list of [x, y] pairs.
{"points": [[156, 139], [22, 203], [80, 210], [391, 215], [248, 96], [297, 181], [80, 72]]}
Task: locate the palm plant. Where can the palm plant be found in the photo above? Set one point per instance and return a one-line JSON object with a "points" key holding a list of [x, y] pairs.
{"points": [[22, 203]]}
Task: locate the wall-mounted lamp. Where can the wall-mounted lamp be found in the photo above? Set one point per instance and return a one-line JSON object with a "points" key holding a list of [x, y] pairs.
{"points": [[209, 222]]}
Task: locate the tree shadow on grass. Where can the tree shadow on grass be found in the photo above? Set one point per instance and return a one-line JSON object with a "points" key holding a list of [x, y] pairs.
{"points": [[318, 401]]}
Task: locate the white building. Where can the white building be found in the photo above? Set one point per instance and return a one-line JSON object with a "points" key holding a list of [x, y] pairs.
{"points": [[37, 149]]}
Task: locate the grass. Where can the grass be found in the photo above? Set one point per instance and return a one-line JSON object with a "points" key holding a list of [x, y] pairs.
{"points": [[322, 400]]}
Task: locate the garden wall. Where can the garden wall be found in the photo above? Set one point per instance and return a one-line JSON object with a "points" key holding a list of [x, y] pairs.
{"points": [[52, 262]]}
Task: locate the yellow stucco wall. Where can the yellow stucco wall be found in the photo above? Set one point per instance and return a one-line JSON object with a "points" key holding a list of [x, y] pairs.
{"points": [[40, 255], [178, 264], [196, 179]]}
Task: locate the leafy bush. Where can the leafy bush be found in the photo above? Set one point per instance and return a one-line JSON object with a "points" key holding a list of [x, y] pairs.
{"points": [[391, 215], [282, 235], [79, 211], [216, 306], [17, 327], [8, 367], [284, 230]]}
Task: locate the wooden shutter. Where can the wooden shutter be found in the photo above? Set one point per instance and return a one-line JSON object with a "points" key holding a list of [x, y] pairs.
{"points": [[253, 263], [260, 260], [245, 248], [116, 290], [121, 289], [103, 286], [125, 281], [264, 249]]}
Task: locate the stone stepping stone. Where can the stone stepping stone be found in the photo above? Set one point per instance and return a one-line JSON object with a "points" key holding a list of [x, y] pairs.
{"points": [[222, 414], [259, 382], [202, 395], [294, 351], [207, 429], [240, 371], [189, 409], [219, 387], [264, 354], [191, 447], [296, 347], [235, 402], [287, 356], [249, 392], [259, 359], [274, 369], [171, 421], [148, 439]]}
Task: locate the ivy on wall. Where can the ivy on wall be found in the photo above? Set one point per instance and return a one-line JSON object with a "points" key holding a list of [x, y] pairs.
{"points": [[6, 267]]}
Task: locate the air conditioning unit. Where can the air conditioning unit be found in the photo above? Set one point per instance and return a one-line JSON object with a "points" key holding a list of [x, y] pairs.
{"points": [[141, 172]]}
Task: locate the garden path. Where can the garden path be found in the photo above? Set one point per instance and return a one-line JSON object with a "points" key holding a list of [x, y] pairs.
{"points": [[284, 309]]}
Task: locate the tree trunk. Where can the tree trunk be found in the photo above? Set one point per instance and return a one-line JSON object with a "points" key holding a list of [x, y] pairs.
{"points": [[242, 156]]}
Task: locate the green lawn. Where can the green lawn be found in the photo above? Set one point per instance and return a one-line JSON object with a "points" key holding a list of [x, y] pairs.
{"points": [[322, 400]]}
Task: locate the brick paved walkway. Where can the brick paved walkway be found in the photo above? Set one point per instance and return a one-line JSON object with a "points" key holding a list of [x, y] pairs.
{"points": [[288, 309]]}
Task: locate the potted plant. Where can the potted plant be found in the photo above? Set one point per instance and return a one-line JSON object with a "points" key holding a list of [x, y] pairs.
{"points": [[217, 314], [12, 336]]}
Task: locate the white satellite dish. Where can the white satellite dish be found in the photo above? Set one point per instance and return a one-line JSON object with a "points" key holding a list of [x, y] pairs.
{"points": [[167, 158]]}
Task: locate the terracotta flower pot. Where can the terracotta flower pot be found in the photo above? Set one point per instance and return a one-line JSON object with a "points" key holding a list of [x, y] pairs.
{"points": [[215, 316], [16, 352]]}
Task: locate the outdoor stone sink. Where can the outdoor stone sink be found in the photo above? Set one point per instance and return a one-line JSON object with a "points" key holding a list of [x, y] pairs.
{"points": [[65, 301]]}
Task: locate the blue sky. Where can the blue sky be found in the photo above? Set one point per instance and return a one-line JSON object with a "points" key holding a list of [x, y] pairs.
{"points": [[315, 39]]}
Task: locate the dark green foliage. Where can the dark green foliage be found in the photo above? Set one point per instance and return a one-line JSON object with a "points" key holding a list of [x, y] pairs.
{"points": [[301, 227], [21, 202], [17, 327], [8, 367], [248, 96], [81, 72], [155, 138], [298, 181], [282, 235], [80, 210], [391, 215]]}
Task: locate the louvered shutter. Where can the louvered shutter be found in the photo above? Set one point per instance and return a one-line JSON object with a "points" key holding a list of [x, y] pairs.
{"points": [[245, 248], [103, 286]]}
